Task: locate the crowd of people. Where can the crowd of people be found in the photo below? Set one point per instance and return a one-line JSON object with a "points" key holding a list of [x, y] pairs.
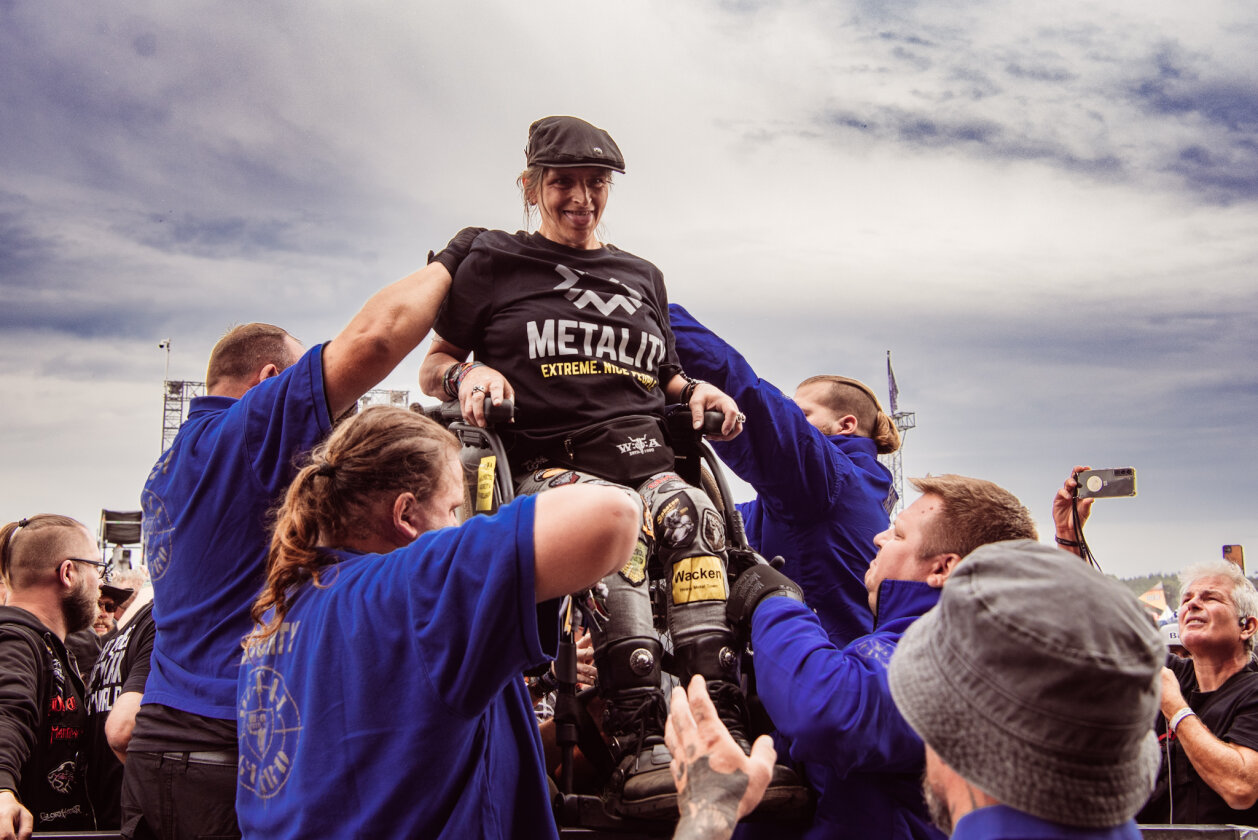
{"points": [[324, 649]]}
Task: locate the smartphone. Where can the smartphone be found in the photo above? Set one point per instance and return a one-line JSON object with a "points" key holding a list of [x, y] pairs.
{"points": [[1105, 484]]}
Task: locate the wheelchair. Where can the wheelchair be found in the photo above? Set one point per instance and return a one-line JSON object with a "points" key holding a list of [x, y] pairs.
{"points": [[578, 803]]}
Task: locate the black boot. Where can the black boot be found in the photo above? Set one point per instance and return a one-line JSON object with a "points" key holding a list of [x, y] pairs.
{"points": [[715, 656], [641, 785]]}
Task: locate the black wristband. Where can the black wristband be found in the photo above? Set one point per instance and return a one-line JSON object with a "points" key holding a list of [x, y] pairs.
{"points": [[753, 586], [688, 390], [448, 383]]}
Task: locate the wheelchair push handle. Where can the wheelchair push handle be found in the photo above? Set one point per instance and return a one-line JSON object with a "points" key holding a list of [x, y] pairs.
{"points": [[712, 422], [450, 412]]}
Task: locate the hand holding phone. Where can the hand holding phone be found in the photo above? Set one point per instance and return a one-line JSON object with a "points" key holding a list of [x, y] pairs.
{"points": [[1106, 484]]}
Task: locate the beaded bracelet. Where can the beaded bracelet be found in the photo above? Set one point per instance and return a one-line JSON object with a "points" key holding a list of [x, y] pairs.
{"points": [[468, 367], [453, 378]]}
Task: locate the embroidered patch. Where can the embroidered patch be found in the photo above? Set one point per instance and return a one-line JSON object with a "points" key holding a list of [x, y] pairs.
{"points": [[485, 482], [568, 477], [62, 779], [699, 578], [635, 570], [713, 530], [675, 522], [656, 482], [550, 473]]}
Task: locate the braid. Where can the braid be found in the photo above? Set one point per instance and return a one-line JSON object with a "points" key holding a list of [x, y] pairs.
{"points": [[292, 558], [375, 455]]}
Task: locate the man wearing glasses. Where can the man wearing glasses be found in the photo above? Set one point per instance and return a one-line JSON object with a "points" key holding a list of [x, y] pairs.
{"points": [[50, 565]]}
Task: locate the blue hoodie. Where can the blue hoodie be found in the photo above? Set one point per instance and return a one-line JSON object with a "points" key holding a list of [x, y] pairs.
{"points": [[821, 498], [835, 714]]}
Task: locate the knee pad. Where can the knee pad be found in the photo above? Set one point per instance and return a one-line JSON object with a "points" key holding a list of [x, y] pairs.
{"points": [[688, 519], [713, 654], [629, 663]]}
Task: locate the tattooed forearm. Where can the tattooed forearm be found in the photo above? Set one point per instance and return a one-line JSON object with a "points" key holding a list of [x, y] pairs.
{"points": [[708, 801]]}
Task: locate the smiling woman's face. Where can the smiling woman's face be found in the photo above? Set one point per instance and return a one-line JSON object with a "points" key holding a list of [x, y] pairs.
{"points": [[571, 202]]}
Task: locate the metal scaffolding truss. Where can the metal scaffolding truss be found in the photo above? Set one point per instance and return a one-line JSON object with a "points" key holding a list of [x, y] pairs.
{"points": [[381, 396], [178, 393]]}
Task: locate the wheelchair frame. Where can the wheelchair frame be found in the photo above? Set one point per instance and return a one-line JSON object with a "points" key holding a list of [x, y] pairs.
{"points": [[488, 485]]}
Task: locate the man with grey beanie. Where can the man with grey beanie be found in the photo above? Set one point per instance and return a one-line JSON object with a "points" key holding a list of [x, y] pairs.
{"points": [[1034, 726]]}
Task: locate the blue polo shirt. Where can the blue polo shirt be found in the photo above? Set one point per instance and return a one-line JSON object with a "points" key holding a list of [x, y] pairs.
{"points": [[391, 701], [205, 529], [835, 716], [821, 498]]}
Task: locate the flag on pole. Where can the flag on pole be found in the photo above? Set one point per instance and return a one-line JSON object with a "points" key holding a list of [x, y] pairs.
{"points": [[891, 386]]}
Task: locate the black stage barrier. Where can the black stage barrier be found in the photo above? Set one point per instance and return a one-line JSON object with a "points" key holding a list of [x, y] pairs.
{"points": [[1199, 832], [1150, 832]]}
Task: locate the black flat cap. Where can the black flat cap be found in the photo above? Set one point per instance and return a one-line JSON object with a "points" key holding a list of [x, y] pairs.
{"points": [[561, 142]]}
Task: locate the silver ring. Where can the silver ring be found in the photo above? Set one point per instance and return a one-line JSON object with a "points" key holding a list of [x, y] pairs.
{"points": [[478, 389], [740, 417]]}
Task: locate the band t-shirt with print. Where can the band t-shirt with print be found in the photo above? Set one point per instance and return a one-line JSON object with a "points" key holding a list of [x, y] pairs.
{"points": [[582, 336]]}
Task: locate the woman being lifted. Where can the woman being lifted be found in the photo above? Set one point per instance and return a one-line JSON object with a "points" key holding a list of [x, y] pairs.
{"points": [[576, 331]]}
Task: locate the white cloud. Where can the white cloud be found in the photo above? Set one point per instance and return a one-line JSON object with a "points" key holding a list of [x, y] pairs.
{"points": [[1022, 201]]}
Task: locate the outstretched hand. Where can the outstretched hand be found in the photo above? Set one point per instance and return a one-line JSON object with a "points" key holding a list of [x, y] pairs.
{"points": [[717, 785], [1064, 506]]}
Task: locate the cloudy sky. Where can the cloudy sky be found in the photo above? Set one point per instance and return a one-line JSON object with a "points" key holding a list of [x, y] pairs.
{"points": [[1048, 212]]}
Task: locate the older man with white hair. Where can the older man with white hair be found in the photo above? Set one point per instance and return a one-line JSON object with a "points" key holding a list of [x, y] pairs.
{"points": [[1209, 725]]}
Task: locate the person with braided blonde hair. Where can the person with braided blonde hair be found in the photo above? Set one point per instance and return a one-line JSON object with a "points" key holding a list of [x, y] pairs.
{"points": [[52, 569], [368, 704], [380, 458]]}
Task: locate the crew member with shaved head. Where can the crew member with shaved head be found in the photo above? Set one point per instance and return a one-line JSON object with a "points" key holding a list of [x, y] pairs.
{"points": [[52, 569]]}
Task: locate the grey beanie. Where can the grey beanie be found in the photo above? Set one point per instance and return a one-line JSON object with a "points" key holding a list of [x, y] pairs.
{"points": [[1037, 679]]}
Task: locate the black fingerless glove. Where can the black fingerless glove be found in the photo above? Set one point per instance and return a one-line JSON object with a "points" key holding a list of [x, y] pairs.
{"points": [[751, 587], [742, 559], [453, 254]]}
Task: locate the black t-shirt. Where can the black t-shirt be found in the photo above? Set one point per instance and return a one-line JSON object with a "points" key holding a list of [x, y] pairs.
{"points": [[161, 728], [123, 666], [582, 336], [1230, 712], [84, 647]]}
